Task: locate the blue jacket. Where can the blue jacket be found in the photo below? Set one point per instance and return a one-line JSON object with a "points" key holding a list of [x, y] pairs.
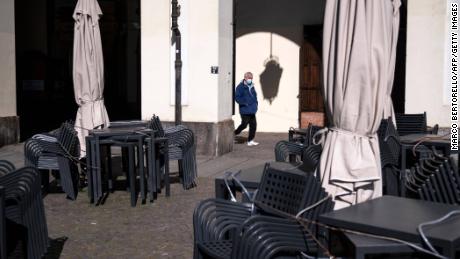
{"points": [[247, 99]]}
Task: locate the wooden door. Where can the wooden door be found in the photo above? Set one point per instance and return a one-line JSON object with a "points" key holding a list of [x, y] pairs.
{"points": [[311, 103]]}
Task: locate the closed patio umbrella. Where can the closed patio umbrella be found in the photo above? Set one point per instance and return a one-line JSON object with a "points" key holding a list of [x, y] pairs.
{"points": [[88, 70], [359, 44]]}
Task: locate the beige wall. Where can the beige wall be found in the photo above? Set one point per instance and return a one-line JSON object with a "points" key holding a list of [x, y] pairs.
{"points": [[7, 59], [203, 53], [155, 69], [208, 44], [425, 61], [252, 52], [256, 20], [225, 100]]}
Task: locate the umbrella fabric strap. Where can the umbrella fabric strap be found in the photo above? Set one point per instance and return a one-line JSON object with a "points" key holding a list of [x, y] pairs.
{"points": [[83, 101], [96, 119], [322, 134]]}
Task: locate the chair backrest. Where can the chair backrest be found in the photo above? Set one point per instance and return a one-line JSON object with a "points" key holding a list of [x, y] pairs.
{"points": [[310, 158], [23, 186], [317, 201], [312, 129], [437, 181], [282, 190], [305, 138], [6, 167], [411, 123], [292, 192], [389, 143], [3, 246], [67, 136], [155, 124], [283, 149]]}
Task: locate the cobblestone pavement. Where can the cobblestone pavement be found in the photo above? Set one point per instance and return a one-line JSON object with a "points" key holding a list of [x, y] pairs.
{"points": [[162, 229], [159, 230]]}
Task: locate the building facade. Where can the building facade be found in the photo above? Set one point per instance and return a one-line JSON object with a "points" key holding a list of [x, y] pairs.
{"points": [[279, 41]]}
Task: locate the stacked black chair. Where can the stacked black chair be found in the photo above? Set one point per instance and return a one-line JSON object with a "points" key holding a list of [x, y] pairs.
{"points": [[58, 151], [3, 247], [23, 205], [307, 157], [5, 167], [390, 151], [286, 151], [435, 179], [271, 237], [311, 157], [413, 124], [181, 147], [313, 129], [226, 229], [305, 135]]}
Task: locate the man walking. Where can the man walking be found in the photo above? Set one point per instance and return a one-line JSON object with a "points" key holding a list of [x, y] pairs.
{"points": [[246, 97]]}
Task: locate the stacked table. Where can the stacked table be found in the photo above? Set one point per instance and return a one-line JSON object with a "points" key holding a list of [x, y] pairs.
{"points": [[142, 146]]}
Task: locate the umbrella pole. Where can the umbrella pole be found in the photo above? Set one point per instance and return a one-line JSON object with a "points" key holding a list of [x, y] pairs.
{"points": [[178, 62]]}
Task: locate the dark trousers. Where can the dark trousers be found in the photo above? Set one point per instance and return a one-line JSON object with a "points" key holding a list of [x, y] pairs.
{"points": [[245, 120]]}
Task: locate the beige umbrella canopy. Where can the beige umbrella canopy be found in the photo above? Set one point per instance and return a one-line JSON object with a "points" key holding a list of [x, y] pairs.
{"points": [[88, 70], [359, 45]]}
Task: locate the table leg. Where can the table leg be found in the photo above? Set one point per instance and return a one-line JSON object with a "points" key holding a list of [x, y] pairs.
{"points": [[158, 167], [402, 174], [359, 254], [167, 184], [151, 160], [447, 150], [97, 176], [140, 152], [132, 176], [124, 159], [88, 167], [91, 165], [449, 250], [104, 166], [109, 168], [220, 189], [45, 175]]}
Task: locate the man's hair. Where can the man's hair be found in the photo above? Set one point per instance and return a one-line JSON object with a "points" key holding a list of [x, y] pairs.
{"points": [[247, 74]]}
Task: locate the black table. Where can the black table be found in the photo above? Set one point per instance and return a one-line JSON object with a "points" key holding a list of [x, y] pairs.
{"points": [[250, 178], [134, 137], [363, 246], [409, 141], [399, 218]]}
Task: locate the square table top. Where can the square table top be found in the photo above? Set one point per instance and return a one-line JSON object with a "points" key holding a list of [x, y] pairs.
{"points": [[398, 217], [120, 131], [251, 177], [426, 138]]}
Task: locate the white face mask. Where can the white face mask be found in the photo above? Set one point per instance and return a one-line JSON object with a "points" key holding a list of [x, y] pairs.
{"points": [[249, 81]]}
